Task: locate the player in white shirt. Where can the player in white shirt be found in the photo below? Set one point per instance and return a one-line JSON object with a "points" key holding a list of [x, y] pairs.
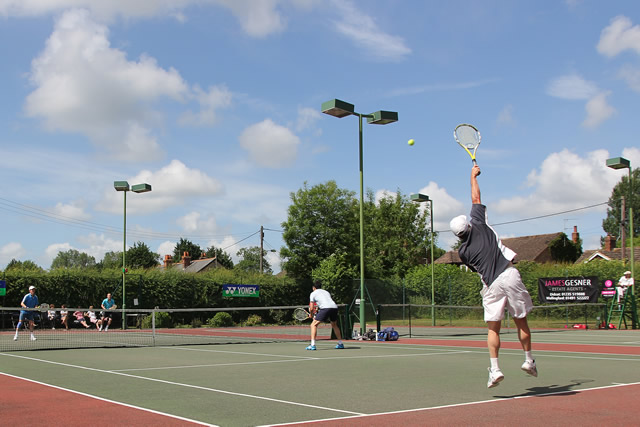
{"points": [[327, 310]]}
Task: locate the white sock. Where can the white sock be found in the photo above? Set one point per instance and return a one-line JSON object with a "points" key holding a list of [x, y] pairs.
{"points": [[494, 363], [313, 342], [528, 356], [339, 341], [106, 328]]}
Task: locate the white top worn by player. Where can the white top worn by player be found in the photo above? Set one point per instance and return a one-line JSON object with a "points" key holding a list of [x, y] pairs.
{"points": [[327, 311]]}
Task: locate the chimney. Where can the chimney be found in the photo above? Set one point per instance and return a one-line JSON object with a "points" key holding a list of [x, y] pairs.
{"points": [[575, 236], [168, 260], [609, 243], [203, 256], [186, 259]]}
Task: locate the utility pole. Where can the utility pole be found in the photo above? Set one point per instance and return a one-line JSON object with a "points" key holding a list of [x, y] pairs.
{"points": [[623, 228], [261, 246]]}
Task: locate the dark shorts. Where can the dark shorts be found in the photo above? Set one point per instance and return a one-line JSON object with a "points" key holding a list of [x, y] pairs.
{"points": [[107, 314], [27, 315], [327, 314]]}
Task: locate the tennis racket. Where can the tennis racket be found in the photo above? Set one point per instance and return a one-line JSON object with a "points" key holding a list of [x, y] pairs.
{"points": [[468, 137], [301, 314]]}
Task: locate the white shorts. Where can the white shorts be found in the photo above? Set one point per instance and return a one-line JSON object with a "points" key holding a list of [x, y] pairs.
{"points": [[506, 291]]}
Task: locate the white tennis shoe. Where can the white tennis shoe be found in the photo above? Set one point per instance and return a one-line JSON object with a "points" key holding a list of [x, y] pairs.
{"points": [[495, 376], [529, 366]]}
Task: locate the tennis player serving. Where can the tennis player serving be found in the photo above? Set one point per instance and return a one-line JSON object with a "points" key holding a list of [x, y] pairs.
{"points": [[483, 252], [327, 311]]}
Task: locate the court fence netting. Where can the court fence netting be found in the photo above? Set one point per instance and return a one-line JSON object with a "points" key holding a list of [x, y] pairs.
{"points": [[413, 320], [154, 327]]}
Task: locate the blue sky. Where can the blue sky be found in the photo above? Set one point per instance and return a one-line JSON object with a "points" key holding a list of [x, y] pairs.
{"points": [[216, 104]]}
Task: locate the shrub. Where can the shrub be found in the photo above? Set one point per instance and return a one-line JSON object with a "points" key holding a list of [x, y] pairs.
{"points": [[163, 320], [253, 320], [220, 320]]}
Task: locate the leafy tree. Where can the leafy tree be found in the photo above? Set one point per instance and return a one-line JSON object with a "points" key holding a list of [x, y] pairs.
{"points": [[396, 236], [611, 224], [224, 259], [27, 265], [140, 256], [564, 250], [111, 260], [73, 259], [322, 220], [337, 276], [251, 260], [183, 246]]}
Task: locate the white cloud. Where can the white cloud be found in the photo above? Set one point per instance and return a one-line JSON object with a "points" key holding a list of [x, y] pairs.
{"points": [[52, 251], [84, 85], [194, 222], [257, 18], [215, 98], [364, 32], [564, 181], [170, 185], [270, 145], [631, 76], [598, 110], [384, 194], [12, 250], [74, 210], [307, 117], [505, 116], [572, 86], [619, 36], [166, 248]]}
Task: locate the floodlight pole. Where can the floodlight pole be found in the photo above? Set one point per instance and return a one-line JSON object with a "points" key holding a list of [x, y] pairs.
{"points": [[338, 108], [423, 198], [124, 187]]}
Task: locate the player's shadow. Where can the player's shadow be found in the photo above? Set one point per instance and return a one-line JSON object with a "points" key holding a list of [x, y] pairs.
{"points": [[550, 390]]}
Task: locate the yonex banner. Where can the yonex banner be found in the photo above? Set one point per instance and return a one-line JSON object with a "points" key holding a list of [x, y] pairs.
{"points": [[3, 288], [241, 291], [568, 289]]}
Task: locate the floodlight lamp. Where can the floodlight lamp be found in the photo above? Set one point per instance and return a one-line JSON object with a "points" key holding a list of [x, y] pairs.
{"points": [[337, 108], [419, 198], [618, 163], [121, 185], [141, 188], [382, 118]]}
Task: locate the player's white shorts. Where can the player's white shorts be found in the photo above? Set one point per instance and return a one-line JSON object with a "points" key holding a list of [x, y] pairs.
{"points": [[506, 291]]}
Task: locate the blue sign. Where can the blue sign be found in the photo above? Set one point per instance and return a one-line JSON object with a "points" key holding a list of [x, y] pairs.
{"points": [[3, 288]]}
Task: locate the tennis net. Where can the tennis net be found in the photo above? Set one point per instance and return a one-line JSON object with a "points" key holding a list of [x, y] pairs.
{"points": [[152, 327]]}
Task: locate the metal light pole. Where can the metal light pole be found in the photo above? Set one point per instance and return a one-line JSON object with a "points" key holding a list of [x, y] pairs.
{"points": [[138, 188], [622, 163], [423, 198], [340, 109]]}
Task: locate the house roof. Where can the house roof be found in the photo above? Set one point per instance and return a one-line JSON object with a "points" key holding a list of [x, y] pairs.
{"points": [[527, 248], [616, 253], [195, 266]]}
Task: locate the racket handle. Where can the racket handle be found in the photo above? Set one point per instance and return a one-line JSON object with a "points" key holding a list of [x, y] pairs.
{"points": [[475, 164]]}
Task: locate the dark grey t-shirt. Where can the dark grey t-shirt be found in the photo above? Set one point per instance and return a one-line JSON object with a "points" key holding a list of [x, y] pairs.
{"points": [[481, 248]]}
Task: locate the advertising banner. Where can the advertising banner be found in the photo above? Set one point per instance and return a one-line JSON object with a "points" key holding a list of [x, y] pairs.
{"points": [[568, 289], [252, 291]]}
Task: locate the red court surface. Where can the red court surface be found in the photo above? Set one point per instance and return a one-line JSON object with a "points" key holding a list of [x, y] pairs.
{"points": [[27, 403]]}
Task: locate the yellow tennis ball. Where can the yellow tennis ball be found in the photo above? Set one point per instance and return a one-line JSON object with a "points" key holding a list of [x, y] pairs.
{"points": [[411, 142]]}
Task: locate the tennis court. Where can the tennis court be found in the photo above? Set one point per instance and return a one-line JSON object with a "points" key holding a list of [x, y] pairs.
{"points": [[591, 377]]}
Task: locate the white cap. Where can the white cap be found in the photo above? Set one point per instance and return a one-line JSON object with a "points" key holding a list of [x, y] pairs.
{"points": [[31, 287], [627, 272], [459, 225]]}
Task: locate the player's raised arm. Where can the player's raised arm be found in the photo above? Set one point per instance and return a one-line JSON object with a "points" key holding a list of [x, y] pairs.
{"points": [[475, 188]]}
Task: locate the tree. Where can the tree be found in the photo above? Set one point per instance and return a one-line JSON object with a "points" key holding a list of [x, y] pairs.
{"points": [[23, 265], [73, 259], [564, 250], [140, 256], [337, 276], [183, 246], [223, 258], [321, 220], [111, 260], [396, 236], [612, 223], [250, 261]]}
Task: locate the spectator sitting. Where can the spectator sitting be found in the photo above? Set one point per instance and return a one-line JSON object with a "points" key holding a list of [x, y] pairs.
{"points": [[93, 318], [79, 315], [52, 315], [64, 316]]}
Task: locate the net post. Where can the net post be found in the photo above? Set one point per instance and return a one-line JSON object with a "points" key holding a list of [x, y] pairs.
{"points": [[153, 327], [378, 317]]}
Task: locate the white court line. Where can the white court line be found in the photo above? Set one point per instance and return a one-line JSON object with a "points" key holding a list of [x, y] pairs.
{"points": [[288, 361], [287, 402], [109, 400], [455, 405], [236, 352]]}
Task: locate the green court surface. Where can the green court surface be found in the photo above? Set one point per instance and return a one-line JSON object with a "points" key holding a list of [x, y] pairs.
{"points": [[277, 383]]}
